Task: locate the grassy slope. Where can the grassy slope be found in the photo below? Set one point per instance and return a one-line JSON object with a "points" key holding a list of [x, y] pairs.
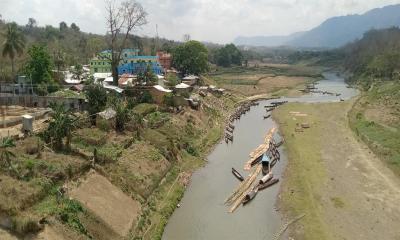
{"points": [[376, 120], [305, 172]]}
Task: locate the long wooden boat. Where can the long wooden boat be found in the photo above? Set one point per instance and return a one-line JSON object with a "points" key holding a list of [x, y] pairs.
{"points": [[268, 184], [237, 175], [250, 196], [268, 116], [280, 143], [266, 178]]}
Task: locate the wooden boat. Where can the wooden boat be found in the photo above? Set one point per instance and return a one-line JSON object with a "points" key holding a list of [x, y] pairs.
{"points": [[277, 145], [237, 175], [268, 116], [270, 106], [231, 126], [250, 196], [269, 109], [268, 184], [266, 178]]}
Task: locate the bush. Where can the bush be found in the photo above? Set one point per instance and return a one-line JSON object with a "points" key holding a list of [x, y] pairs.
{"points": [[169, 100], [108, 154], [23, 225]]}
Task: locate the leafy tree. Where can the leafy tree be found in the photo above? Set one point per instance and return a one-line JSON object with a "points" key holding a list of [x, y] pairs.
{"points": [[14, 44], [39, 67], [5, 154], [78, 70], [122, 112], [97, 99], [31, 23], [191, 58], [229, 55], [147, 76], [63, 26], [172, 79], [75, 27], [61, 124]]}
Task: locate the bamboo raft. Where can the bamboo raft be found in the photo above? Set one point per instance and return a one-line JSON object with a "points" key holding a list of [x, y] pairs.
{"points": [[236, 198], [260, 150]]}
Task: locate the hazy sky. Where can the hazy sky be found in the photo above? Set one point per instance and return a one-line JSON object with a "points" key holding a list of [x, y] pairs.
{"points": [[206, 20]]}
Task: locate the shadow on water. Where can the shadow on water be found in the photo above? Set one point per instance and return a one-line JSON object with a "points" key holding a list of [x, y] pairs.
{"points": [[203, 215]]}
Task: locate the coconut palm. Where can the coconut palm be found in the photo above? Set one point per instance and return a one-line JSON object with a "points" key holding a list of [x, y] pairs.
{"points": [[14, 44], [5, 154]]}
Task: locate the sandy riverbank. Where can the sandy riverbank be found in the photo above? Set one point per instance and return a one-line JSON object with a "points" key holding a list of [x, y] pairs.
{"points": [[345, 190]]}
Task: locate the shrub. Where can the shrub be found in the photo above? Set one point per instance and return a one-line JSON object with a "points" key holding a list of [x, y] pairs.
{"points": [[23, 225]]}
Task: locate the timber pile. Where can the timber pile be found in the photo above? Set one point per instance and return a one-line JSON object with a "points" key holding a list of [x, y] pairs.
{"points": [[260, 150], [236, 198]]}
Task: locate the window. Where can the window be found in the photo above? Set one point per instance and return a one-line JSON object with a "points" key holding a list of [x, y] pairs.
{"points": [[95, 69]]}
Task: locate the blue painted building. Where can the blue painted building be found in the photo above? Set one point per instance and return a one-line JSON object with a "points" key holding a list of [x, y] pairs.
{"points": [[138, 64]]}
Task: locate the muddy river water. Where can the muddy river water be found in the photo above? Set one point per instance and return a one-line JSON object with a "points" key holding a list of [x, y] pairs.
{"points": [[203, 215]]}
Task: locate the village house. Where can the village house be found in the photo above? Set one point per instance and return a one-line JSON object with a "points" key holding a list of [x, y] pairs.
{"points": [[165, 59]]}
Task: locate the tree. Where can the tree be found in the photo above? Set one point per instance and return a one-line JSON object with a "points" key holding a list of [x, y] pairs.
{"points": [[61, 124], [228, 55], [78, 70], [121, 22], [191, 58], [122, 110], [39, 67], [13, 45], [97, 99], [147, 76], [5, 153], [63, 26], [31, 23], [75, 27]]}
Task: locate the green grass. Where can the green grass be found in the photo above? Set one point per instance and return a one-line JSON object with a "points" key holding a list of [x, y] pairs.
{"points": [[145, 108], [305, 172], [337, 202], [382, 140]]}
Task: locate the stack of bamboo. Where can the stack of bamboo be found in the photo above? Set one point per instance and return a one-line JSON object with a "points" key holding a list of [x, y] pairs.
{"points": [[260, 150], [236, 198]]}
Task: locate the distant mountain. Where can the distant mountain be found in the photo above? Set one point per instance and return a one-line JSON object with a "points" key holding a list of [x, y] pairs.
{"points": [[334, 32], [270, 41]]}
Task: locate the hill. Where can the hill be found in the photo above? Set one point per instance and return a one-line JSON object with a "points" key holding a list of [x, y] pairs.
{"points": [[334, 32]]}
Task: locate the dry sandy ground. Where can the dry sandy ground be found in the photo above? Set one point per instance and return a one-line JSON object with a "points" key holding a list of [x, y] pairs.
{"points": [[6, 236], [107, 202], [359, 196], [369, 190]]}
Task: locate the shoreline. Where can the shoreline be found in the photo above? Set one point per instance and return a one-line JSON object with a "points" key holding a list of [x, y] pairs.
{"points": [[256, 98]]}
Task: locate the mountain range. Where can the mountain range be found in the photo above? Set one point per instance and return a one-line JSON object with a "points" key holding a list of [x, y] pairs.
{"points": [[332, 33]]}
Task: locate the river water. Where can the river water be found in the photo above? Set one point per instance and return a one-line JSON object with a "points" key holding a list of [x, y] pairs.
{"points": [[203, 215]]}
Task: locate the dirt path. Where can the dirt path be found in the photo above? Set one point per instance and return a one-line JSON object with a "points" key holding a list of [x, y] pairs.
{"points": [[355, 196]]}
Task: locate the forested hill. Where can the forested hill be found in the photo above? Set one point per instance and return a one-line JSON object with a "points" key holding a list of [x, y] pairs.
{"points": [[68, 43], [375, 56], [334, 32]]}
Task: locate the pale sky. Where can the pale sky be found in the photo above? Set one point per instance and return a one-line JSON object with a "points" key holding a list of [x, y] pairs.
{"points": [[217, 21]]}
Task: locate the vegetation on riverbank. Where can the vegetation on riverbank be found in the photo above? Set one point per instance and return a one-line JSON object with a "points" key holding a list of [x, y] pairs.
{"points": [[264, 78], [375, 118]]}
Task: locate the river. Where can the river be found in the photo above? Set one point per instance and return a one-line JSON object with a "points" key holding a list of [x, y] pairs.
{"points": [[203, 215]]}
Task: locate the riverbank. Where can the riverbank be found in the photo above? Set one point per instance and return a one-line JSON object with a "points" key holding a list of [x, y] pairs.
{"points": [[345, 191]]}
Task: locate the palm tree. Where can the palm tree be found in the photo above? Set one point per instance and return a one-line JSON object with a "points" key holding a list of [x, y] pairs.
{"points": [[14, 44], [5, 153]]}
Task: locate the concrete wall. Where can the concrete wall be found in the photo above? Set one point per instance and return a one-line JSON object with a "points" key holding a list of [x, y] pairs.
{"points": [[75, 104]]}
